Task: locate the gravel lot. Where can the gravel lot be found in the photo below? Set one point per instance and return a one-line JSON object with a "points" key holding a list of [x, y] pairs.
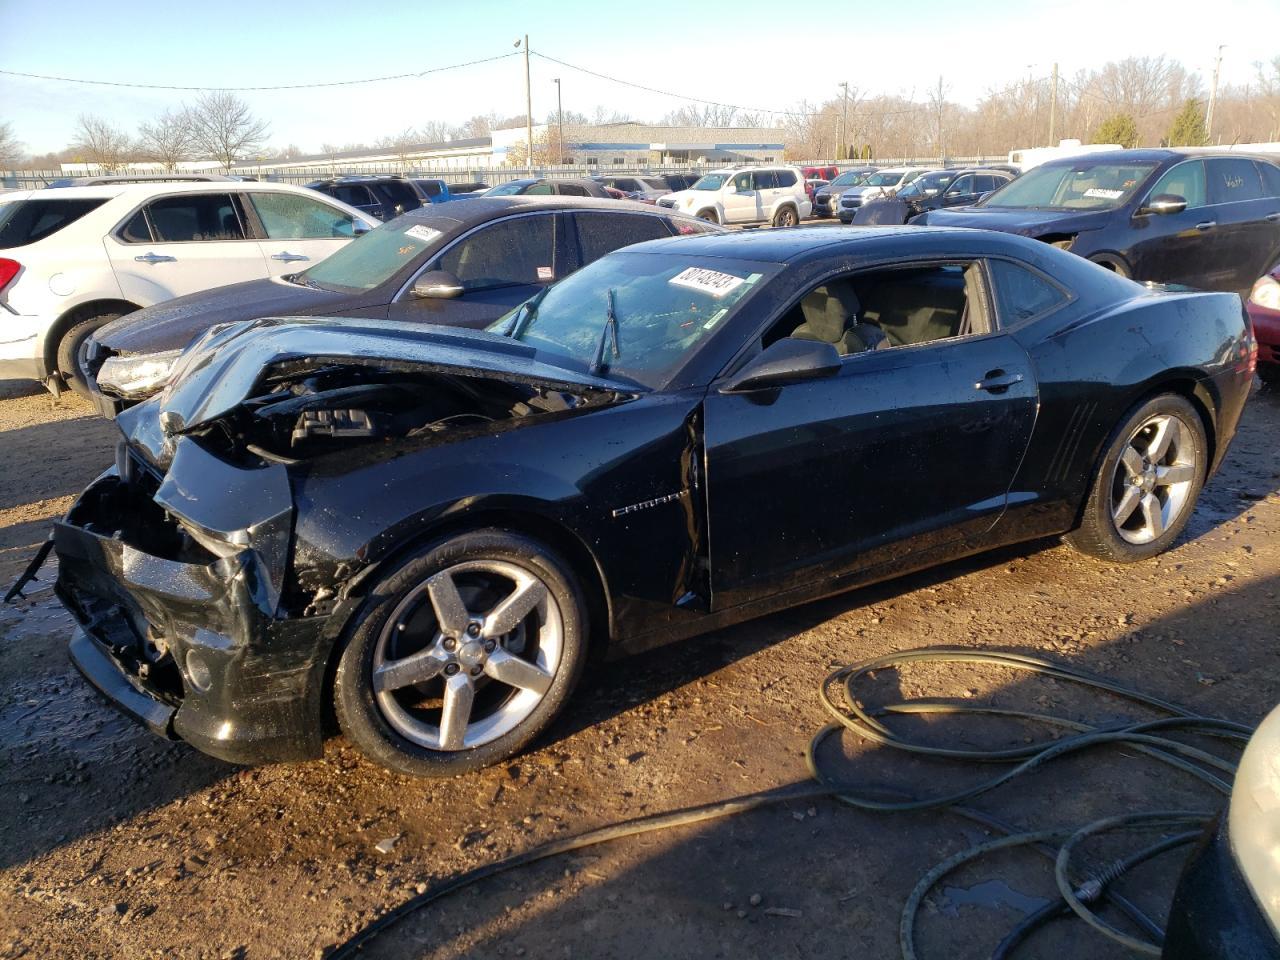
{"points": [[116, 844]]}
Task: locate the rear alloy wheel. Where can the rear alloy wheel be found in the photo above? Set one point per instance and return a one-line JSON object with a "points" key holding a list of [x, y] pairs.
{"points": [[1147, 486], [466, 652], [785, 217]]}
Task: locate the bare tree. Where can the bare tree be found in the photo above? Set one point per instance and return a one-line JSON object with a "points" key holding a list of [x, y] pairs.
{"points": [[168, 139], [97, 141], [707, 115], [938, 107], [10, 146], [224, 128]]}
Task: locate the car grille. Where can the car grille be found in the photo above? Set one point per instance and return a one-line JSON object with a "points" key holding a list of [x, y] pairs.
{"points": [[850, 202]]}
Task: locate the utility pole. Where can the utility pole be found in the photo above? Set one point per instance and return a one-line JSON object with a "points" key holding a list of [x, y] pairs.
{"points": [[528, 105], [1053, 108], [844, 122], [1213, 95], [560, 124]]}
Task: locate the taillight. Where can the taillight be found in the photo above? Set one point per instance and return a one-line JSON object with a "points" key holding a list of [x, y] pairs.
{"points": [[8, 270], [1248, 348]]}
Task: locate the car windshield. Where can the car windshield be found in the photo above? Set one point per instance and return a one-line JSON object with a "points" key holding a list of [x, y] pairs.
{"points": [[884, 179], [927, 185], [1083, 185], [850, 179], [509, 189], [710, 181], [665, 305], [374, 258]]}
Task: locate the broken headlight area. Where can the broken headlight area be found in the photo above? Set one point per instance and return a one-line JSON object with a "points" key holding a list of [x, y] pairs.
{"points": [[305, 409], [136, 377]]}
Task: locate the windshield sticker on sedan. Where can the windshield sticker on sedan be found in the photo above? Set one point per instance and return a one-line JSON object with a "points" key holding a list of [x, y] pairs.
{"points": [[1098, 193], [708, 281], [419, 232], [546, 273]]}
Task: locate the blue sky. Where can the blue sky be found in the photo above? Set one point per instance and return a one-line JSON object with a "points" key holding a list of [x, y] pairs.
{"points": [[735, 51]]}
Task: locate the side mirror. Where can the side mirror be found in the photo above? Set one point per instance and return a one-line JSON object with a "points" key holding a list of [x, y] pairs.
{"points": [[783, 362], [359, 228], [1164, 204], [437, 285]]}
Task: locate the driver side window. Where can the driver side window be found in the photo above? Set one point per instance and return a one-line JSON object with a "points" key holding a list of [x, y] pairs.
{"points": [[883, 309], [506, 253], [1186, 180]]}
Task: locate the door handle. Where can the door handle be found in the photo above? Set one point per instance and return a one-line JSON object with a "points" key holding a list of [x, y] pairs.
{"points": [[1206, 225], [289, 257], [997, 381], [156, 258]]}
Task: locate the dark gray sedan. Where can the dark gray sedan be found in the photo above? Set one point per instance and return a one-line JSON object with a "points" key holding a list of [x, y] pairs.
{"points": [[464, 265]]}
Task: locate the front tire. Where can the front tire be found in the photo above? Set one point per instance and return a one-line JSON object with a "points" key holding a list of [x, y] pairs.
{"points": [[462, 655], [785, 217], [710, 216], [1146, 486], [69, 350]]}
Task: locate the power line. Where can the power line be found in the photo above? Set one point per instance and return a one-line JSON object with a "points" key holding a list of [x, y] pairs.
{"points": [[258, 89], [702, 100]]}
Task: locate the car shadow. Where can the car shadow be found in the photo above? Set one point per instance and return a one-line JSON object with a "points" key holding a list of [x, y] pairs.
{"points": [[49, 459], [813, 878]]}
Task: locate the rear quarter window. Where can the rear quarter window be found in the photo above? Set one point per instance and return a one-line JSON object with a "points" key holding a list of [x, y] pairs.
{"points": [[29, 221], [786, 178]]}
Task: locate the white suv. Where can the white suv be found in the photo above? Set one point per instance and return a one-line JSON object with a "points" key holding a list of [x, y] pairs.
{"points": [[773, 195], [74, 258]]}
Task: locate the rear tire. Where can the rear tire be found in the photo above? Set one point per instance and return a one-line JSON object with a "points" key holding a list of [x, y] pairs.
{"points": [[69, 350], [1145, 489], [436, 680], [786, 216], [710, 216]]}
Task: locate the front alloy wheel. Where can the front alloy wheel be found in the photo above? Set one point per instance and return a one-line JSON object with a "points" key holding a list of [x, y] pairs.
{"points": [[464, 654]]}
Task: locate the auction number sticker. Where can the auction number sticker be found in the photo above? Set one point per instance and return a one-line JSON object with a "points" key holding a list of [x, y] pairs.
{"points": [[708, 281], [1098, 193], [425, 234]]}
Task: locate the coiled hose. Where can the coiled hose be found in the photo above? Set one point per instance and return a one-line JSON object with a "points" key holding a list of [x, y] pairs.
{"points": [[1077, 895]]}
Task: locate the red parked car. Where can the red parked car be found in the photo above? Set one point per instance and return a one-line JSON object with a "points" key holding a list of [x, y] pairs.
{"points": [[1264, 310], [820, 173]]}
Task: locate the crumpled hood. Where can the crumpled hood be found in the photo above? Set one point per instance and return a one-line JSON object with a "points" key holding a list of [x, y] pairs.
{"points": [[1026, 223], [175, 323], [224, 367]]}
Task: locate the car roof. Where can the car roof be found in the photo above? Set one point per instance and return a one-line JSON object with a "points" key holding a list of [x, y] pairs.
{"points": [[152, 188], [480, 209], [1155, 155], [784, 246]]}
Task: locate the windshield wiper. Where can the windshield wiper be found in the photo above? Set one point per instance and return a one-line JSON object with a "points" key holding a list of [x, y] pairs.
{"points": [[524, 315], [300, 280], [610, 331]]}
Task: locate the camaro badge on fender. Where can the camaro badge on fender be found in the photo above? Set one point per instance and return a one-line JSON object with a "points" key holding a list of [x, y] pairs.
{"points": [[645, 504]]}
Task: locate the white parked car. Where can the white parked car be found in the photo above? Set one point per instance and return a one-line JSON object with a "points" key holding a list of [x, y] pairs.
{"points": [[74, 258], [764, 194], [882, 183]]}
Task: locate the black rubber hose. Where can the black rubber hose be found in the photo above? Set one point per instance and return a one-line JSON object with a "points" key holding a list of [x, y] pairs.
{"points": [[1140, 736]]}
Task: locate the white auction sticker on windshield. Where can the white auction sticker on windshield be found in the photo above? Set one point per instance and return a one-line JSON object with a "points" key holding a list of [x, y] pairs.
{"points": [[425, 234], [1098, 193], [708, 281]]}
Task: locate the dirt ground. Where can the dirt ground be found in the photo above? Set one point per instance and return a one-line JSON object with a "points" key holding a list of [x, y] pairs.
{"points": [[116, 844]]}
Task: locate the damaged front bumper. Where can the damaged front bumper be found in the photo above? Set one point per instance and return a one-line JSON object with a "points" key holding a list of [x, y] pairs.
{"points": [[181, 620]]}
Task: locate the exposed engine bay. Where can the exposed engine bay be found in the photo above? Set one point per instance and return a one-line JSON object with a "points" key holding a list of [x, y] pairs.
{"points": [[307, 408]]}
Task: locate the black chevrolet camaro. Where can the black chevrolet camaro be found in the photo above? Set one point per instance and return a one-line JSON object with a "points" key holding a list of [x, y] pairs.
{"points": [[429, 527]]}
